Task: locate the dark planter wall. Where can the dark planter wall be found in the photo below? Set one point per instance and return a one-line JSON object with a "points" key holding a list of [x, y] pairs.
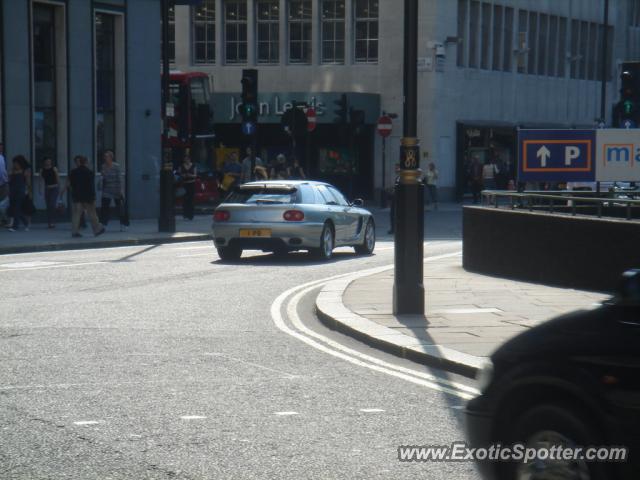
{"points": [[577, 252]]}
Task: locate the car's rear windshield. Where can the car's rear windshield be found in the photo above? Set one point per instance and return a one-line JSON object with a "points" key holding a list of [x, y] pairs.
{"points": [[263, 196]]}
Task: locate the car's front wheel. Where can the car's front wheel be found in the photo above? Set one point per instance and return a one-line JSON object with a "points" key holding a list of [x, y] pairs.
{"points": [[229, 254], [325, 252], [546, 426], [369, 240]]}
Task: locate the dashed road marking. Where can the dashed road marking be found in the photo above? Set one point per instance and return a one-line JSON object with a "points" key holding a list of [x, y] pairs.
{"points": [[284, 414], [371, 410], [192, 417], [88, 422]]}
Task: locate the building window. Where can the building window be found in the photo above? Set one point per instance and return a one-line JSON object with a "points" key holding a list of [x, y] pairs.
{"points": [[552, 54], [474, 32], [486, 36], [105, 84], [172, 34], [333, 13], [562, 46], [366, 31], [235, 18], [462, 32], [268, 30], [497, 37], [533, 42], [507, 44], [204, 33], [44, 78], [300, 31]]}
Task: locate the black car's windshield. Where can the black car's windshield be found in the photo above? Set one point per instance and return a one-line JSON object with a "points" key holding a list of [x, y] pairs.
{"points": [[263, 196]]}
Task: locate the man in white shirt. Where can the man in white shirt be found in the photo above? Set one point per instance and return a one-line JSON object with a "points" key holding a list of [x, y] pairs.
{"points": [[247, 174]]}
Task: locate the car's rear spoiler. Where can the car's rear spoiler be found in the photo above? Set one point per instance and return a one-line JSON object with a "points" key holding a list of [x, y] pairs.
{"points": [[267, 186]]}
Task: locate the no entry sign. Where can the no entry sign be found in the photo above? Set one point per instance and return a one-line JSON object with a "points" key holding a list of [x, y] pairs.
{"points": [[384, 126], [311, 119]]}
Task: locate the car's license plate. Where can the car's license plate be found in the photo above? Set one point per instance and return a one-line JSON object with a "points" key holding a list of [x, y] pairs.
{"points": [[257, 232]]}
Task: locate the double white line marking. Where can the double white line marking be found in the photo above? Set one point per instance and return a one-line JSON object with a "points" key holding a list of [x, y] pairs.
{"points": [[324, 344]]}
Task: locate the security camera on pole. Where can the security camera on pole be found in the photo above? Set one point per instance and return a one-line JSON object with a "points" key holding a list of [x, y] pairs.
{"points": [[408, 288]]}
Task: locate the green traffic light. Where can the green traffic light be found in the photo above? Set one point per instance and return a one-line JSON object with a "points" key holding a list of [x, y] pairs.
{"points": [[627, 106]]}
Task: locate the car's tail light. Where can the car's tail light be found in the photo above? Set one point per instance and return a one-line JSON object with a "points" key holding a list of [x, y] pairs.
{"points": [[221, 215], [293, 216]]}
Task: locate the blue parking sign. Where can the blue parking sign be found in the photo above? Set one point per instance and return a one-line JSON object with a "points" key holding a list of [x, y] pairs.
{"points": [[556, 155]]}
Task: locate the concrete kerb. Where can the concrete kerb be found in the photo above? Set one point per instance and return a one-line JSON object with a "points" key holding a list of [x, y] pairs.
{"points": [[89, 244], [332, 311]]}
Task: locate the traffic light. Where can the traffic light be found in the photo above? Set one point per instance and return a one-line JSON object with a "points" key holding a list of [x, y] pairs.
{"points": [[356, 118], [627, 111], [249, 110], [342, 111]]}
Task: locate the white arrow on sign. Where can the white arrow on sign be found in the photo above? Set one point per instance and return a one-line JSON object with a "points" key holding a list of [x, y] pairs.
{"points": [[543, 154]]}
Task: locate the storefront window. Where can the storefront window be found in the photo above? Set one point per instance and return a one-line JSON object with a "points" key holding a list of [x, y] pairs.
{"points": [[204, 32], [44, 80], [366, 31], [268, 30], [333, 31], [235, 27], [105, 84]]}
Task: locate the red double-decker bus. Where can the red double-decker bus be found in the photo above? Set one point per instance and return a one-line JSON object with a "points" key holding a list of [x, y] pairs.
{"points": [[191, 129]]}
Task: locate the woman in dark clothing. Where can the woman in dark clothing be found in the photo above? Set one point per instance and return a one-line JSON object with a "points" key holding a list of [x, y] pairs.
{"points": [[188, 173], [297, 173], [51, 180], [18, 188]]}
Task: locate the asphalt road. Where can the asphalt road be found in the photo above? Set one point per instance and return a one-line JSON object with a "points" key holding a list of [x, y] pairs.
{"points": [[162, 362]]}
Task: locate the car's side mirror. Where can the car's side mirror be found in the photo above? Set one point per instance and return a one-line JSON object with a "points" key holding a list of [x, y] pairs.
{"points": [[358, 202], [629, 287]]}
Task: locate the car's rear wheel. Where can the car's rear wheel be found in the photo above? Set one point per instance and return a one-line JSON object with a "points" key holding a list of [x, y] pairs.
{"points": [[369, 240], [325, 252], [229, 254], [546, 426]]}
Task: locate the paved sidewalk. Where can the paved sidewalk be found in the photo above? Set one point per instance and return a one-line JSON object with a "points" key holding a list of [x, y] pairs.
{"points": [[141, 232], [467, 315]]}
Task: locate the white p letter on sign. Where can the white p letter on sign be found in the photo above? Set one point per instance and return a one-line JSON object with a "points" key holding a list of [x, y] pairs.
{"points": [[570, 153]]}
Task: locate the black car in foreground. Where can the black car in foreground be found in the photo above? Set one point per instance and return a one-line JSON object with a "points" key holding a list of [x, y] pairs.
{"points": [[572, 383]]}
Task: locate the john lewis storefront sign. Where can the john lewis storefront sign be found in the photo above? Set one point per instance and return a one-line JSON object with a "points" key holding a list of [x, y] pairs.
{"points": [[273, 104]]}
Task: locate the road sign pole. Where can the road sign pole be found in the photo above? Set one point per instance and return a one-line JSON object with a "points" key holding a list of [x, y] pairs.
{"points": [[166, 217], [408, 288], [383, 196]]}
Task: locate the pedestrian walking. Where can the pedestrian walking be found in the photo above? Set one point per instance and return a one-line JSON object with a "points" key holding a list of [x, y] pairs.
{"points": [[475, 176], [188, 173], [232, 173], [431, 180], [50, 189], [246, 174], [81, 182], [4, 187], [19, 185], [489, 172], [112, 190], [297, 173], [280, 170]]}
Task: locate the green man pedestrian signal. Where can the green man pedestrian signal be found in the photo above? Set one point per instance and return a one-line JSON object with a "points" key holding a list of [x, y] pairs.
{"points": [[342, 111], [249, 110]]}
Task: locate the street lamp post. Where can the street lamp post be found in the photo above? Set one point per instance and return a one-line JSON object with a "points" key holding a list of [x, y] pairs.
{"points": [[408, 288], [166, 218], [604, 72]]}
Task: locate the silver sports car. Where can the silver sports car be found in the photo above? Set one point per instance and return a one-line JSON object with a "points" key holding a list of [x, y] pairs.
{"points": [[286, 215]]}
